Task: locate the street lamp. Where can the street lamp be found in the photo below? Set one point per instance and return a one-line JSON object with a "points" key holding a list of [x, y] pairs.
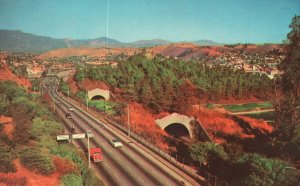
{"points": [[88, 133], [128, 121]]}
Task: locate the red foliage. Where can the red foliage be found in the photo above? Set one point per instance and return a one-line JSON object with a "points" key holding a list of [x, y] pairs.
{"points": [[9, 127], [220, 121], [259, 124], [26, 177], [12, 180], [46, 98], [90, 85], [142, 122], [64, 166], [7, 74]]}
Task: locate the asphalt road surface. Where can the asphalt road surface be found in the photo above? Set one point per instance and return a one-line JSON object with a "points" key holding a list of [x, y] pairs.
{"points": [[129, 165]]}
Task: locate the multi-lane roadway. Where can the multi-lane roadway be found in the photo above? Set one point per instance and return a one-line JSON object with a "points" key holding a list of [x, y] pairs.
{"points": [[129, 165]]}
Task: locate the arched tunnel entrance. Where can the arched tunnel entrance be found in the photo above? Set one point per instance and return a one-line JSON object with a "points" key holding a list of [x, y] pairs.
{"points": [[98, 97], [177, 130]]}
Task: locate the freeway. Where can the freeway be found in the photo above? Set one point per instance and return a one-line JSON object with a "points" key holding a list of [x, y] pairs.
{"points": [[129, 165]]}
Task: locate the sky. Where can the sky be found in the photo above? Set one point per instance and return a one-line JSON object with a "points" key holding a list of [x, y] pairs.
{"points": [[223, 21]]}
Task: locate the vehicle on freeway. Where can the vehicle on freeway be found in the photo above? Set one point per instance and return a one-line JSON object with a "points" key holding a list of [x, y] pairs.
{"points": [[116, 143], [68, 115], [96, 154], [71, 109], [73, 128]]}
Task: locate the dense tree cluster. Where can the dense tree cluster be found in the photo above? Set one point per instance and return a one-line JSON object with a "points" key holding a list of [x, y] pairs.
{"points": [[170, 85], [287, 131]]}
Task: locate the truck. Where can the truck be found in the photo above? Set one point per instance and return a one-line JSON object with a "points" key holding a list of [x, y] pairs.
{"points": [[96, 154]]}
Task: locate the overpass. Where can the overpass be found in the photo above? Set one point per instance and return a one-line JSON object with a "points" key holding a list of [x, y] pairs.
{"points": [[97, 92], [175, 118]]}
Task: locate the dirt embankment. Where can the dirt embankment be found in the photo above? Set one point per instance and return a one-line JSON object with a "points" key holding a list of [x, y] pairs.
{"points": [[7, 74], [9, 127], [92, 52]]}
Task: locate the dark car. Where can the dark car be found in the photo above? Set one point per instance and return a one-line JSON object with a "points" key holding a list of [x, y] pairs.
{"points": [[68, 115]]}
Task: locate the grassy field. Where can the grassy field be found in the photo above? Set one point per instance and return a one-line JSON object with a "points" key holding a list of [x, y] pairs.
{"points": [[248, 107], [268, 116]]}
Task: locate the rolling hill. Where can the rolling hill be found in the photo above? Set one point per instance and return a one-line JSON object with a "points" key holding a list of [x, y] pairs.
{"points": [[18, 41]]}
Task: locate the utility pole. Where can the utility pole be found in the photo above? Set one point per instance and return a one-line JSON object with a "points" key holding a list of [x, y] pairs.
{"points": [[53, 104], [128, 121], [88, 139], [87, 103]]}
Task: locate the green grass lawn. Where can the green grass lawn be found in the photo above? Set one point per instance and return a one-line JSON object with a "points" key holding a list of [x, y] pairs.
{"points": [[248, 107], [268, 116], [106, 106]]}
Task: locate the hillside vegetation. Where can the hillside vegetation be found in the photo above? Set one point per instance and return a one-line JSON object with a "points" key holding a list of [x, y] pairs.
{"points": [[172, 85], [33, 141]]}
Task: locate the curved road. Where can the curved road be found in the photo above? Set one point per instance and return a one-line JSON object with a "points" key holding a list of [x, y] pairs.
{"points": [[129, 165]]}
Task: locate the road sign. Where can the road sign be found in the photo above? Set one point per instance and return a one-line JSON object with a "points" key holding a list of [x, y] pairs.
{"points": [[78, 136], [62, 137]]}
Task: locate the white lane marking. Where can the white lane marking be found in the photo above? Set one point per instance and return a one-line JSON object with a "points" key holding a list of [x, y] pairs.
{"points": [[140, 179], [154, 172], [118, 158], [108, 166], [128, 167]]}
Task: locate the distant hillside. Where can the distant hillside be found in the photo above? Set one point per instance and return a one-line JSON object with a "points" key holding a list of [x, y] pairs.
{"points": [[149, 43], [98, 42], [206, 43], [86, 51], [17, 41], [192, 50]]}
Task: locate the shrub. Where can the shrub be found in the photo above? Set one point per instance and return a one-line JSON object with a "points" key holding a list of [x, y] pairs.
{"points": [[67, 151], [6, 158], [65, 166], [47, 141], [90, 179], [72, 180], [41, 127], [12, 180], [81, 94], [33, 159]]}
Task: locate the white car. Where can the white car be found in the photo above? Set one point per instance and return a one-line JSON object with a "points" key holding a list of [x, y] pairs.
{"points": [[116, 143], [71, 109]]}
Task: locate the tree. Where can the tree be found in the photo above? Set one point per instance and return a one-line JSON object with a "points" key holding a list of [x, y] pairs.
{"points": [[207, 152], [184, 97], [254, 169], [288, 108]]}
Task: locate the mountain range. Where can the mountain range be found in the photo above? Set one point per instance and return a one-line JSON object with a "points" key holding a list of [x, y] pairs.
{"points": [[18, 41]]}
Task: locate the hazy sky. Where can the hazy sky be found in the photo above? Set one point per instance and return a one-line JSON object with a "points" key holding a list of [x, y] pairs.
{"points": [[227, 21]]}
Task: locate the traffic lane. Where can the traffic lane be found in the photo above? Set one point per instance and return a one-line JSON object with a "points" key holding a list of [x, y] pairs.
{"points": [[106, 171], [102, 170], [121, 177], [132, 163], [150, 165], [171, 175], [117, 160]]}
